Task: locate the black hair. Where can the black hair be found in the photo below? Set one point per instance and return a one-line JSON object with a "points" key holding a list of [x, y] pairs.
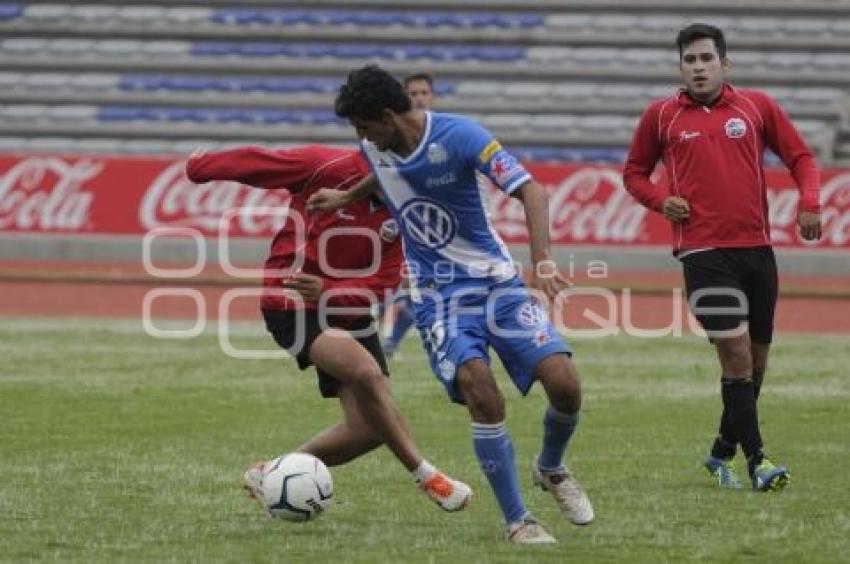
{"points": [[426, 76], [369, 91], [697, 31]]}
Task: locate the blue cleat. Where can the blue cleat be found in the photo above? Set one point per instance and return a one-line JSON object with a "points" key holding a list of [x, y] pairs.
{"points": [[723, 472], [770, 478]]}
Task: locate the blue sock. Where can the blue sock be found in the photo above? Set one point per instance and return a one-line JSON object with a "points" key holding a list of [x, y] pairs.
{"points": [[557, 429], [496, 455], [403, 320]]}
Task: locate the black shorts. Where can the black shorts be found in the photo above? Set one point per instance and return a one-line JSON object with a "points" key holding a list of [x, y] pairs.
{"points": [[742, 279], [296, 337]]}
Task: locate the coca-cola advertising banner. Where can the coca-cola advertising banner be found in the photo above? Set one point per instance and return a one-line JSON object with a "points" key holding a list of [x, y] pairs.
{"points": [[130, 196]]}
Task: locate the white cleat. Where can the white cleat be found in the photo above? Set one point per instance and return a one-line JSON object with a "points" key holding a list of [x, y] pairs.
{"points": [[450, 495], [568, 493], [529, 531]]}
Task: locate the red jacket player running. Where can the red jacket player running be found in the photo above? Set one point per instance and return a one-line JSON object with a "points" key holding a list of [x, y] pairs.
{"points": [[307, 275], [712, 138]]}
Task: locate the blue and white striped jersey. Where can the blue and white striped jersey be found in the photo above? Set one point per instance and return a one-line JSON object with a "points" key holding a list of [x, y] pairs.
{"points": [[435, 196]]}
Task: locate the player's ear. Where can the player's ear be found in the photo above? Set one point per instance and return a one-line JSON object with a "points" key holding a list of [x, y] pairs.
{"points": [[725, 64]]}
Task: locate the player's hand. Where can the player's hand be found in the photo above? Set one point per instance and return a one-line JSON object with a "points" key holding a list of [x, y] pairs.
{"points": [[310, 287], [327, 199], [676, 209], [548, 280], [810, 225]]}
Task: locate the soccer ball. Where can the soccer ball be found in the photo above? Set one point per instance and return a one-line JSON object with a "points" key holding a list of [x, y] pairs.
{"points": [[296, 487]]}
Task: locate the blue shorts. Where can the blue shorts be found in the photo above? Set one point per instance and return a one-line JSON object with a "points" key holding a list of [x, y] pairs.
{"points": [[460, 322]]}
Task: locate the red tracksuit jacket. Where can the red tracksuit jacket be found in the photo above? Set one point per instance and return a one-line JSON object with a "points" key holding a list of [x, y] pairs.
{"points": [[714, 160], [302, 171]]}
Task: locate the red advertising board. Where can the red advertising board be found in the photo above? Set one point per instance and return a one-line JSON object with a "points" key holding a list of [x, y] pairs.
{"points": [[82, 195]]}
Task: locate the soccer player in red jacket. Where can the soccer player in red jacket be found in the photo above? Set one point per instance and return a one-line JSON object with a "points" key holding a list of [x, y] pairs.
{"points": [[299, 299], [711, 138]]}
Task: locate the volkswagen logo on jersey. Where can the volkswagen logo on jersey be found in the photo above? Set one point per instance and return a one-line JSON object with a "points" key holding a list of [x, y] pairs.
{"points": [[389, 230], [531, 314], [735, 128], [428, 223], [437, 154]]}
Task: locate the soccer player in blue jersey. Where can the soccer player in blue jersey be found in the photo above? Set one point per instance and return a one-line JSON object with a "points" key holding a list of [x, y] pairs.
{"points": [[420, 89], [467, 292]]}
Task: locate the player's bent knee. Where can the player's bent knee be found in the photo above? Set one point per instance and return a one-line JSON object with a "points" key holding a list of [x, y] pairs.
{"points": [[483, 399]]}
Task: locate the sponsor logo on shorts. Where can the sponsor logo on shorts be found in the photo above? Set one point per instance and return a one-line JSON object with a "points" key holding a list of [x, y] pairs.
{"points": [[531, 314]]}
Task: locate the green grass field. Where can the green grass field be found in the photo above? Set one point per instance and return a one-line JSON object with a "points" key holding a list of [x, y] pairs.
{"points": [[116, 446]]}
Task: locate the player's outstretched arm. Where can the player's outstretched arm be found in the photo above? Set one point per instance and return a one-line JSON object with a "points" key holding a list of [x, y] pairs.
{"points": [[329, 199], [254, 166], [545, 276]]}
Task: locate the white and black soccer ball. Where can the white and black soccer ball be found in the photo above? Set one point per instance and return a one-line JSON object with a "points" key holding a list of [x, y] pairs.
{"points": [[296, 487]]}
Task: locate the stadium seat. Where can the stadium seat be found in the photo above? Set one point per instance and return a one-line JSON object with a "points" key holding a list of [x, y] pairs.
{"points": [[574, 91], [10, 80], [186, 16], [23, 46], [788, 61], [165, 48], [818, 96], [840, 27], [562, 123], [149, 15], [93, 14], [70, 47], [10, 11], [46, 12], [94, 81], [76, 114], [570, 22], [118, 48], [832, 62], [24, 113], [503, 122], [527, 90], [615, 24], [46, 81], [761, 27], [806, 28]]}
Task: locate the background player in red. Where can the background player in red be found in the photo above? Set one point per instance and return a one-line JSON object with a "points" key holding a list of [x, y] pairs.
{"points": [[711, 138], [299, 317]]}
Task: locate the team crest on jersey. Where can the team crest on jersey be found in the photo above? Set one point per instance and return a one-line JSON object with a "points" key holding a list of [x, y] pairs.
{"points": [[531, 314], [437, 154], [503, 166], [735, 128], [389, 230], [428, 223]]}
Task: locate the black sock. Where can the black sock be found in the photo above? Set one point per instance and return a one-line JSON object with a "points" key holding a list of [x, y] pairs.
{"points": [[723, 448], [726, 441], [740, 401]]}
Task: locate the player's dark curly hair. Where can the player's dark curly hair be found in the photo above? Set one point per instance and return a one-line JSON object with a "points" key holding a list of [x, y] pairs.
{"points": [[697, 31], [368, 92]]}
